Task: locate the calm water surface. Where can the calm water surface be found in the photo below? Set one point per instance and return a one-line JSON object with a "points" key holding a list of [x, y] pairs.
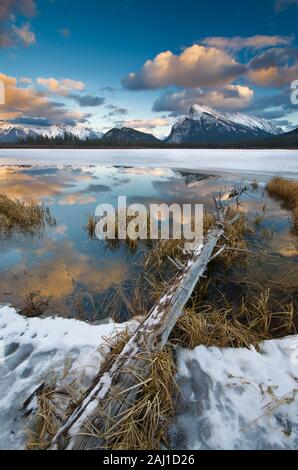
{"points": [[65, 265]]}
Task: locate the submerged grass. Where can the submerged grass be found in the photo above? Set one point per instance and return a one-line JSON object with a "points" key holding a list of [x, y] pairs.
{"points": [[286, 190], [25, 217]]}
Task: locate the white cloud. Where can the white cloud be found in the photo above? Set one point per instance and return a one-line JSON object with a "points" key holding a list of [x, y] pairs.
{"points": [[27, 103], [196, 66], [60, 87]]}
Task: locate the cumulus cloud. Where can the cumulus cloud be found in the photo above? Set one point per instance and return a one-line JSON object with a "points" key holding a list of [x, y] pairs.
{"points": [[256, 42], [196, 66], [60, 87], [25, 103], [275, 67], [88, 100], [228, 97], [10, 33]]}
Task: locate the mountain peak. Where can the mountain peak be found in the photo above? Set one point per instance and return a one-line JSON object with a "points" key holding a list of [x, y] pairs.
{"points": [[205, 125]]}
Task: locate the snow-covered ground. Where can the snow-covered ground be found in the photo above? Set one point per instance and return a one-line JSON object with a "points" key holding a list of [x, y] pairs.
{"points": [[32, 350], [238, 398], [266, 162], [230, 398]]}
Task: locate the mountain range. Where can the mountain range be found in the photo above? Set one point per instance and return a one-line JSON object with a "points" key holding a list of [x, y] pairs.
{"points": [[202, 126], [14, 132]]}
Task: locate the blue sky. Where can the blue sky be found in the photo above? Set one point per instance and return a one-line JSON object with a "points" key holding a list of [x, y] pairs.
{"points": [[71, 60]]}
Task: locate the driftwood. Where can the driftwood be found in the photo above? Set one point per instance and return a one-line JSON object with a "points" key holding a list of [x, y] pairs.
{"points": [[84, 427]]}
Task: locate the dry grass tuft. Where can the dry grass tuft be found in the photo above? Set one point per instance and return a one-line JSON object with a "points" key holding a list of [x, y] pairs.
{"points": [[35, 304], [286, 190], [234, 241], [55, 401], [24, 217], [90, 226], [255, 319], [143, 426]]}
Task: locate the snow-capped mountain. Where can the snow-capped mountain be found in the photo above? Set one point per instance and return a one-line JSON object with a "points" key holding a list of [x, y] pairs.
{"points": [[13, 132], [206, 125]]}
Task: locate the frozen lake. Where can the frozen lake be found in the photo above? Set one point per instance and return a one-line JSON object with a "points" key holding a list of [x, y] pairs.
{"points": [[264, 162]]}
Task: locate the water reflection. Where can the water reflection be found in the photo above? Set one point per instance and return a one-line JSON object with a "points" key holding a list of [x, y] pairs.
{"points": [[63, 262]]}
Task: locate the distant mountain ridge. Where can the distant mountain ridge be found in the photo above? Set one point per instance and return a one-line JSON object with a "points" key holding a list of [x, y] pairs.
{"points": [[13, 132], [203, 126]]}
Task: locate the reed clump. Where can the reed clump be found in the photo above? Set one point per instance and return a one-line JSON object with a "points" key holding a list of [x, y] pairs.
{"points": [[35, 304], [24, 217], [256, 318], [234, 240], [90, 226], [286, 190]]}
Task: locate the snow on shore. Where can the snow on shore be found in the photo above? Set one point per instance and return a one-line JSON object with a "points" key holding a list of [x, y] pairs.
{"points": [[231, 398], [31, 350], [248, 161], [238, 398]]}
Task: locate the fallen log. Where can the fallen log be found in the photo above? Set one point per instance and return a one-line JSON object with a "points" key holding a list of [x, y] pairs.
{"points": [[116, 389]]}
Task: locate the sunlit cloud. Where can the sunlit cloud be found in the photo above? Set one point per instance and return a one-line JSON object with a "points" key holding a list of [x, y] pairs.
{"points": [[23, 103], [196, 66], [60, 87]]}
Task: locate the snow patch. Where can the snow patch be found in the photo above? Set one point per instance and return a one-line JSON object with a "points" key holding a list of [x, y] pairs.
{"points": [[32, 349], [238, 398]]}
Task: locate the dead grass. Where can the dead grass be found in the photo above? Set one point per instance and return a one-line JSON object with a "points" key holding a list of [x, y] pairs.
{"points": [[255, 319], [56, 399], [35, 304], [90, 226], [235, 245], [143, 426], [24, 217], [286, 190]]}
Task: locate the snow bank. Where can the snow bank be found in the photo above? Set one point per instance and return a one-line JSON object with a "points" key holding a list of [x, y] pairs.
{"points": [[238, 398], [230, 398], [31, 350]]}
